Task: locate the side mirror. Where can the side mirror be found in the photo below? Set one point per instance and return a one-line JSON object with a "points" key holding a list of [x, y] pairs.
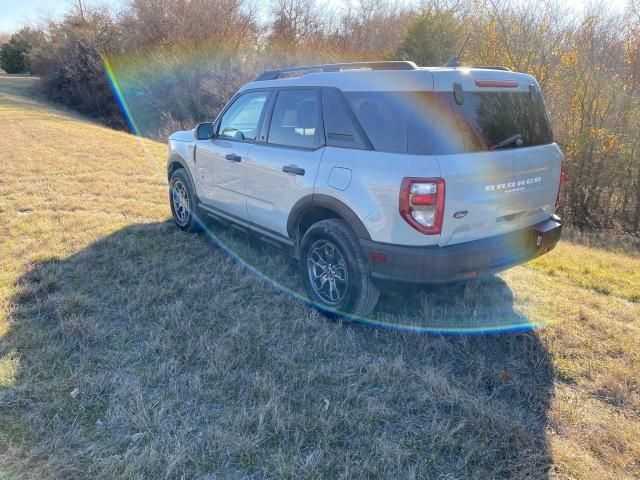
{"points": [[204, 131]]}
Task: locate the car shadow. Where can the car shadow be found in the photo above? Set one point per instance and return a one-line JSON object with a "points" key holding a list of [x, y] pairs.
{"points": [[484, 305], [153, 353]]}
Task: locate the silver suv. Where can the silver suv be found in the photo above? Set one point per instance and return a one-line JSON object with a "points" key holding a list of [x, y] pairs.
{"points": [[378, 173]]}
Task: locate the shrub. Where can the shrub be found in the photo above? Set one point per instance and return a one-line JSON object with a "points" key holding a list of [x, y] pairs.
{"points": [[14, 55], [71, 68], [431, 39]]}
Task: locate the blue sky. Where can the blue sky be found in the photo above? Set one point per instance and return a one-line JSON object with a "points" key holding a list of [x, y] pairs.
{"points": [[17, 13]]}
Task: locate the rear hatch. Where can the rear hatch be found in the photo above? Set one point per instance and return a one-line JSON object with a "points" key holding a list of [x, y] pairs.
{"points": [[502, 171]]}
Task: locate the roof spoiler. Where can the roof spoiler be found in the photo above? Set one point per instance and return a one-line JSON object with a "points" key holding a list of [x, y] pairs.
{"points": [[336, 67], [454, 62], [491, 67]]}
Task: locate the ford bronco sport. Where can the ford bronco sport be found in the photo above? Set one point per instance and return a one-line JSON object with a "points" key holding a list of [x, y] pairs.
{"points": [[378, 172]]}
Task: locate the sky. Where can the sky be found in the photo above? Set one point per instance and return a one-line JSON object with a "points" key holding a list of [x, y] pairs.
{"points": [[17, 13]]}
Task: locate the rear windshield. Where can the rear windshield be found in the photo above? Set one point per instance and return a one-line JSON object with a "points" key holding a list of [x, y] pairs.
{"points": [[433, 123], [494, 117]]}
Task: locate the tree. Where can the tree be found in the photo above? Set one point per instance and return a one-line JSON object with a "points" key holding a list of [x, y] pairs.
{"points": [[14, 55], [295, 21], [70, 63], [370, 29], [431, 39]]}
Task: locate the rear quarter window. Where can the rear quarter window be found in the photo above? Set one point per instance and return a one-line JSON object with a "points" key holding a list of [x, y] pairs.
{"points": [[407, 122], [340, 129]]}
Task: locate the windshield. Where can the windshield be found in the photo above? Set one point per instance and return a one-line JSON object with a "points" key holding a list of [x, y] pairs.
{"points": [[432, 123]]}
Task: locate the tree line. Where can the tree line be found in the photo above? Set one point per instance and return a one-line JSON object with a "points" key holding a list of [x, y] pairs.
{"points": [[178, 61]]}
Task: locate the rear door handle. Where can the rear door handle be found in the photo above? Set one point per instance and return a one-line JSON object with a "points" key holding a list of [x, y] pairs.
{"points": [[293, 169], [233, 157]]}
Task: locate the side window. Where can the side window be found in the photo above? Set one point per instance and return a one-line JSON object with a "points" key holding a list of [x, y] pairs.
{"points": [[295, 119], [419, 123], [382, 120], [430, 123], [338, 126], [240, 121]]}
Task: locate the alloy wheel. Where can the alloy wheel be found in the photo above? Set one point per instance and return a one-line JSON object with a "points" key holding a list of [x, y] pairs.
{"points": [[327, 272], [180, 198]]}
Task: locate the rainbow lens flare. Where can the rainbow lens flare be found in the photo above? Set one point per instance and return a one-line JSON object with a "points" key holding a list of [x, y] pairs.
{"points": [[147, 87]]}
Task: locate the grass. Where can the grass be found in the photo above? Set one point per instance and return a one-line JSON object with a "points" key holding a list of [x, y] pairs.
{"points": [[132, 350]]}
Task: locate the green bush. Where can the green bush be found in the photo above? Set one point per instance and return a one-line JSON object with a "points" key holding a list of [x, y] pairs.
{"points": [[14, 55], [431, 39]]}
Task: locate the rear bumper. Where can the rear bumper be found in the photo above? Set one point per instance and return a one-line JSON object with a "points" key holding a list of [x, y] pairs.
{"points": [[434, 264]]}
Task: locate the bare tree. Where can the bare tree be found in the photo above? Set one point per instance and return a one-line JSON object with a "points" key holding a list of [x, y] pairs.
{"points": [[295, 22], [371, 29]]}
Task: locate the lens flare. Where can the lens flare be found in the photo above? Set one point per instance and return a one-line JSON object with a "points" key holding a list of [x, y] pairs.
{"points": [[115, 85], [146, 84]]}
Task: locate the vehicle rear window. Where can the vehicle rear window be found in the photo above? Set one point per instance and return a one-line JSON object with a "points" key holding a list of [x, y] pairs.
{"points": [[432, 123], [492, 117]]}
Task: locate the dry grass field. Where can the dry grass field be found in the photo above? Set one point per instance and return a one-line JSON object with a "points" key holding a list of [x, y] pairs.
{"points": [[131, 350]]}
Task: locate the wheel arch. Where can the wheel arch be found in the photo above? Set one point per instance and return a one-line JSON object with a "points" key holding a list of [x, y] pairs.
{"points": [[175, 162], [316, 207]]}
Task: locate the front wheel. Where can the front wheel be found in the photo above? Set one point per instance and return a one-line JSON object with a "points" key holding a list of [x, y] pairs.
{"points": [[182, 200], [334, 272]]}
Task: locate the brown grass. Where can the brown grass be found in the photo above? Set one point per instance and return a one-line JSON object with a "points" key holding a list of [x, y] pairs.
{"points": [[132, 350]]}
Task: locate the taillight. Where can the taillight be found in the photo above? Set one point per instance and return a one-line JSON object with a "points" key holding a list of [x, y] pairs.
{"points": [[563, 179], [422, 203]]}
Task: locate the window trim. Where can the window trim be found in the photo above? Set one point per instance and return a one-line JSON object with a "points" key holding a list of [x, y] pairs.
{"points": [[269, 118], [234, 99]]}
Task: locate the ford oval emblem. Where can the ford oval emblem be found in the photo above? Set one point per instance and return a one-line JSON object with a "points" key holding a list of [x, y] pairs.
{"points": [[460, 214]]}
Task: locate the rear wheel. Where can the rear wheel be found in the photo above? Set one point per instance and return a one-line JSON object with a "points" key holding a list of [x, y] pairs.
{"points": [[182, 200], [334, 272]]}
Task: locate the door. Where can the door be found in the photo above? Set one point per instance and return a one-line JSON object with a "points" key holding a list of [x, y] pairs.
{"points": [[220, 162], [284, 169]]}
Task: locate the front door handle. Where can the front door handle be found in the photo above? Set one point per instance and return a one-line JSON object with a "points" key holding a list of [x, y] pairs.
{"points": [[233, 157], [293, 169]]}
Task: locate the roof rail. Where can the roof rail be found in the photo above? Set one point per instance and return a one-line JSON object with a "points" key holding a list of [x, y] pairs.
{"points": [[491, 67], [336, 67]]}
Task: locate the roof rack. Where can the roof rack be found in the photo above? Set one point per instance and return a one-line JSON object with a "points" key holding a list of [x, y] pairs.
{"points": [[336, 67]]}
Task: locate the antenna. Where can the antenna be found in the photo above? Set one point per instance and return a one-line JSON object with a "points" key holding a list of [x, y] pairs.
{"points": [[455, 61]]}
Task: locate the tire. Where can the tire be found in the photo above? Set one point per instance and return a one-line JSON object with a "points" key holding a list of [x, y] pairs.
{"points": [[183, 201], [330, 253]]}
